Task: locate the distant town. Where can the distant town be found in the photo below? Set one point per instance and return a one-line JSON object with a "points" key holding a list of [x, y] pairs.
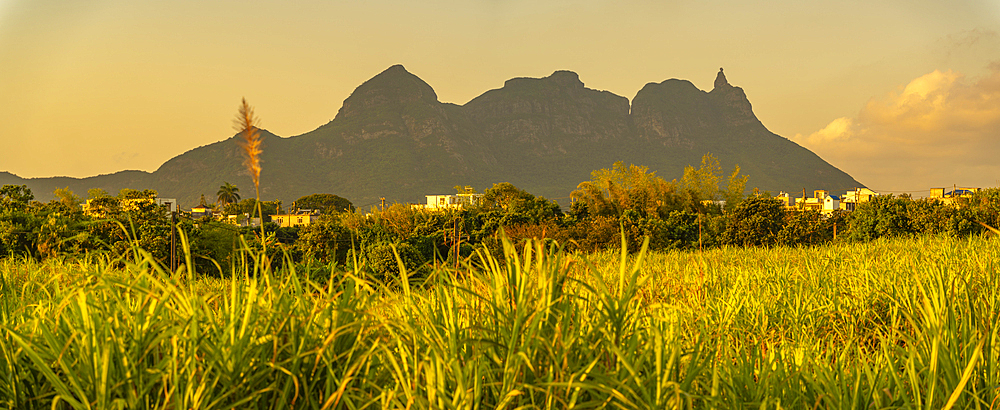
{"points": [[822, 201]]}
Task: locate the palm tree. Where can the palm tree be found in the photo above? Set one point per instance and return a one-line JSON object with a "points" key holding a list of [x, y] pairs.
{"points": [[228, 194]]}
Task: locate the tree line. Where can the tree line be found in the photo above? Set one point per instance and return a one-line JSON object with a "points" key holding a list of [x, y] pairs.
{"points": [[623, 204]]}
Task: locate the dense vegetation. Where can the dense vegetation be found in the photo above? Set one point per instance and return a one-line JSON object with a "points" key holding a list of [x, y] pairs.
{"points": [[891, 323], [702, 210], [646, 294]]}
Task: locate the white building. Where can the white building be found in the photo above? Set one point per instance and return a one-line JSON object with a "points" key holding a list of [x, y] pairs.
{"points": [[786, 200], [830, 203], [454, 201], [850, 199]]}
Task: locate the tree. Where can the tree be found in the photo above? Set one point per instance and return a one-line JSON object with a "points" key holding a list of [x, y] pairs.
{"points": [[504, 196], [17, 224], [613, 191], [326, 241], [325, 203], [15, 197], [734, 190], [250, 207], [702, 184], [808, 227], [94, 193], [754, 222], [146, 194], [67, 198], [228, 194], [883, 215]]}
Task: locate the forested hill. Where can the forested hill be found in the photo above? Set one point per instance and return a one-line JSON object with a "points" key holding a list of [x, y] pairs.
{"points": [[393, 138]]}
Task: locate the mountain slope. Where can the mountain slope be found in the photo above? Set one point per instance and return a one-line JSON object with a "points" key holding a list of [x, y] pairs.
{"points": [[393, 138], [679, 123]]}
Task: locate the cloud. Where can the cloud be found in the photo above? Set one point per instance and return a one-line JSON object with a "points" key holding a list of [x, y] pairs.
{"points": [[941, 129], [838, 130]]}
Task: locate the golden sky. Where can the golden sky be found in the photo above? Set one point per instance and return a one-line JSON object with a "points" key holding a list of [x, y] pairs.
{"points": [[903, 95]]}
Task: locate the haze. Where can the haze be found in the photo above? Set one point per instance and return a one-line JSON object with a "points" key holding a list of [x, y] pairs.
{"points": [[903, 95]]}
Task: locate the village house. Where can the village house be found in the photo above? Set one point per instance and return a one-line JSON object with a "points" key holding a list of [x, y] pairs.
{"points": [[822, 201], [850, 199], [301, 217], [815, 203], [787, 200], [454, 201], [243, 220], [949, 197], [201, 211], [830, 203]]}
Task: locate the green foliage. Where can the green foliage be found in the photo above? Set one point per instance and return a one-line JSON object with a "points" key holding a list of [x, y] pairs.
{"points": [[325, 203], [809, 227], [383, 261], [94, 193], [611, 192], [882, 216], [679, 230], [619, 189], [135, 194], [14, 198], [325, 241], [227, 194], [248, 207], [68, 199], [885, 324], [58, 230], [757, 221], [505, 205], [702, 184], [735, 188], [213, 246]]}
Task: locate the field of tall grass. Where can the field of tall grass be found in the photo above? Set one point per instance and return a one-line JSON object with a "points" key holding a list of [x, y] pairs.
{"points": [[901, 323]]}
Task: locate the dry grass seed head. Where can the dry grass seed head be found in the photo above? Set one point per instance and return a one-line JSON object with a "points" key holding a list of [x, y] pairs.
{"points": [[246, 123]]}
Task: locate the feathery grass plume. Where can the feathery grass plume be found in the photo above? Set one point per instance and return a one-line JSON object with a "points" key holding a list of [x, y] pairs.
{"points": [[246, 123]]}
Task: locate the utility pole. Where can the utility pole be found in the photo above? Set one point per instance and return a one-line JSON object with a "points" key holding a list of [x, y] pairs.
{"points": [[382, 206]]}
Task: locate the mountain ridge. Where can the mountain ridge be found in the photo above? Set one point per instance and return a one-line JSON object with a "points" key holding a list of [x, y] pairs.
{"points": [[393, 138]]}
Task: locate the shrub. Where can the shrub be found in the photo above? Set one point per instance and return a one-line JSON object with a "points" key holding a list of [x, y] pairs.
{"points": [[754, 222], [805, 227], [384, 265], [325, 241], [880, 217], [679, 230]]}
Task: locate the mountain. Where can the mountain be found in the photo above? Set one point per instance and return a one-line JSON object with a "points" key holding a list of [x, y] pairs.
{"points": [[393, 138]]}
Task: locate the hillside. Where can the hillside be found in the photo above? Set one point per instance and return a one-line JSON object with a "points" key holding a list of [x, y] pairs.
{"points": [[393, 138]]}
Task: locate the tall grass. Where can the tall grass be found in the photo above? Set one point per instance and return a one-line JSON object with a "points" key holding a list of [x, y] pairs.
{"points": [[247, 125], [907, 323]]}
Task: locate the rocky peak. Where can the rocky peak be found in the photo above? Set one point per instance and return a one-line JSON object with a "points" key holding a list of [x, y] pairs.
{"points": [[392, 87], [720, 80], [558, 80], [735, 108], [566, 79]]}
